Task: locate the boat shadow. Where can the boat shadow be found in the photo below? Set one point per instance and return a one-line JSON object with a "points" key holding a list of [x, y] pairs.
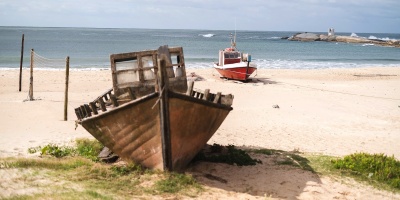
{"points": [[264, 81], [273, 177]]}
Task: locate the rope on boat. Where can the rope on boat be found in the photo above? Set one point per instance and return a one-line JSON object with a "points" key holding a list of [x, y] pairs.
{"points": [[159, 97]]}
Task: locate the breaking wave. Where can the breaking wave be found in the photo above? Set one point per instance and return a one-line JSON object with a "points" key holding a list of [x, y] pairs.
{"points": [[207, 35], [372, 37]]}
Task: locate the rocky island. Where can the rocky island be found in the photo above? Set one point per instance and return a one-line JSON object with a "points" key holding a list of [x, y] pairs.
{"points": [[331, 37]]}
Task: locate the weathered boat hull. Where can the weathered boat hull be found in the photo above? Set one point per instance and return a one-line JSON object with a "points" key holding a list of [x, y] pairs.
{"points": [[237, 73], [132, 130]]}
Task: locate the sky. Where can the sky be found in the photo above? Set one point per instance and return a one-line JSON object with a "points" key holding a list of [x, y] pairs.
{"points": [[358, 16]]}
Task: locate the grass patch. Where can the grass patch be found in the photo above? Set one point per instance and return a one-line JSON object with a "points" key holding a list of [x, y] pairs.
{"points": [[88, 148], [76, 175], [377, 168], [175, 182], [287, 158], [84, 147]]}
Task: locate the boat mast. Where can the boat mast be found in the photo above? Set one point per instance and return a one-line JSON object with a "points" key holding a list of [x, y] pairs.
{"points": [[233, 39]]}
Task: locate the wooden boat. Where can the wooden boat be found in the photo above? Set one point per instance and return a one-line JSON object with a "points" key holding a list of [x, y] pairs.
{"points": [[233, 64], [160, 123]]}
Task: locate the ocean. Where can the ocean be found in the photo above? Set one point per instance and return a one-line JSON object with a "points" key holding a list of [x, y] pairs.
{"points": [[90, 48]]}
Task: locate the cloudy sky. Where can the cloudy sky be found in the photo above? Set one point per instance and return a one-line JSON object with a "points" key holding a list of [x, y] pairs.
{"points": [[372, 16]]}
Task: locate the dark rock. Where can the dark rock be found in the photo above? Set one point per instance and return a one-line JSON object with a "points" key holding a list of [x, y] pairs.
{"points": [[275, 106]]}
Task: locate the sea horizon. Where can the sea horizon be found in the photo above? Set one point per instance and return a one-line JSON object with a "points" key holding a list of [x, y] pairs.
{"points": [[89, 48]]}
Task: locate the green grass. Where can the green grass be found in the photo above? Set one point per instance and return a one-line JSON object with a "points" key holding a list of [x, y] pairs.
{"points": [[377, 170], [374, 168], [75, 172], [84, 147], [175, 182], [287, 158]]}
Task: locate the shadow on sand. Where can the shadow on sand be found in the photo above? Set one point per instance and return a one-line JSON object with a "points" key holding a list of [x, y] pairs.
{"points": [[275, 177], [253, 80]]}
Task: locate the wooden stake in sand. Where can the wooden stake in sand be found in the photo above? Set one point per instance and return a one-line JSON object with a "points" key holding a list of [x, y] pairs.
{"points": [[31, 78], [20, 62], [66, 89]]}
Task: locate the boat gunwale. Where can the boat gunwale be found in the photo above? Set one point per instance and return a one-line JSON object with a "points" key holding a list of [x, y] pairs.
{"points": [[171, 94], [116, 109]]}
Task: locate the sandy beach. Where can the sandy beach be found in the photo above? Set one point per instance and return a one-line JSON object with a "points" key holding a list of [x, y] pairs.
{"points": [[328, 111]]}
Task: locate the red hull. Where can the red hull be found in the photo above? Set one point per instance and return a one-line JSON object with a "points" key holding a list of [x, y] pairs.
{"points": [[238, 73]]}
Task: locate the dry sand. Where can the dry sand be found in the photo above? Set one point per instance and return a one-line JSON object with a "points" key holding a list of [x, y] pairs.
{"points": [[329, 111]]}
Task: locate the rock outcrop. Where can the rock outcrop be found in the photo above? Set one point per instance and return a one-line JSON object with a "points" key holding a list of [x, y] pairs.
{"points": [[307, 37]]}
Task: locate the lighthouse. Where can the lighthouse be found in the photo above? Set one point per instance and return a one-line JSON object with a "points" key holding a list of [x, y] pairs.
{"points": [[331, 32]]}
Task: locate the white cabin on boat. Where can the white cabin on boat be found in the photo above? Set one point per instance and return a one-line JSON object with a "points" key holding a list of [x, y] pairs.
{"points": [[232, 56]]}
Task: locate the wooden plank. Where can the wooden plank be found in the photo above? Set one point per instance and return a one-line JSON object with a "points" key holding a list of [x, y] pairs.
{"points": [[217, 97], [206, 94], [102, 104], [78, 113], [131, 93], [163, 54], [114, 100], [93, 107], [88, 110], [190, 88], [83, 111]]}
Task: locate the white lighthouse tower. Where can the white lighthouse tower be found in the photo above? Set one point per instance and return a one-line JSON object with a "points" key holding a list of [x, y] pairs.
{"points": [[331, 32]]}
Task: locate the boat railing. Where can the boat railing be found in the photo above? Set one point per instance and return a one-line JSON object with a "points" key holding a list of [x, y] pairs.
{"points": [[100, 103], [134, 76], [217, 98], [108, 100]]}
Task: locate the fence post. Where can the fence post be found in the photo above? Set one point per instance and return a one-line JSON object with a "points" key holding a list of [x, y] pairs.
{"points": [[66, 89], [31, 78], [21, 61]]}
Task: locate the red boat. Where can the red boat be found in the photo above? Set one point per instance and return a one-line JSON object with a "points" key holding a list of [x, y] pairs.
{"points": [[232, 64]]}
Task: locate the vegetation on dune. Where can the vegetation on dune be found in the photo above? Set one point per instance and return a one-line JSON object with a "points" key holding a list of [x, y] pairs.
{"points": [[72, 173], [377, 168], [84, 147], [75, 172]]}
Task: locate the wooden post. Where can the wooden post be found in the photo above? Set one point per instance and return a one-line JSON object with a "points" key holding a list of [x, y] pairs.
{"points": [[190, 88], [20, 62], [102, 104], [206, 94], [217, 97], [31, 78], [114, 100], [163, 52], [66, 89], [93, 107]]}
